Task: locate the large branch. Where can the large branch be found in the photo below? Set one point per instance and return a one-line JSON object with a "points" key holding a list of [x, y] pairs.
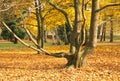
{"points": [[13, 5], [63, 12], [6, 9], [29, 46], [59, 55], [30, 36], [109, 5], [84, 22]]}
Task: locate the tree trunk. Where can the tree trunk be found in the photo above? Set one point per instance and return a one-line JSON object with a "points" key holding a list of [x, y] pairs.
{"points": [[86, 37], [79, 55], [57, 37], [99, 31], [45, 36], [65, 36], [103, 35], [15, 41], [75, 47], [42, 32], [53, 37], [38, 23], [111, 31], [104, 32], [42, 22]]}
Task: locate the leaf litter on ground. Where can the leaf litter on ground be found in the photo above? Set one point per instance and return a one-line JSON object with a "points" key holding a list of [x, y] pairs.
{"points": [[103, 65]]}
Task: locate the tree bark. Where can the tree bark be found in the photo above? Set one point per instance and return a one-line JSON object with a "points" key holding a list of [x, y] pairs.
{"points": [[103, 36], [65, 36], [38, 23], [99, 31], [53, 37], [80, 55], [15, 41], [45, 36], [57, 37], [94, 24], [86, 37], [111, 31], [42, 32], [42, 22]]}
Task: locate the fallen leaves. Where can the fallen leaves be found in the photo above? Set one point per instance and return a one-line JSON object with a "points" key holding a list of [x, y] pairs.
{"points": [[103, 65]]}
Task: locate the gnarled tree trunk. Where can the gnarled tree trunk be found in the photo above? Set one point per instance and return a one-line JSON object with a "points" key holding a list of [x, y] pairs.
{"points": [[79, 55]]}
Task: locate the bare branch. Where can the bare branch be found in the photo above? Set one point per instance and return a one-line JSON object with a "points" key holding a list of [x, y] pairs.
{"points": [[29, 46], [61, 54], [30, 36], [6, 9], [109, 5], [84, 22], [13, 5]]}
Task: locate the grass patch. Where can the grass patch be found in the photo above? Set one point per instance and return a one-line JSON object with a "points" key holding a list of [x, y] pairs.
{"points": [[12, 46]]}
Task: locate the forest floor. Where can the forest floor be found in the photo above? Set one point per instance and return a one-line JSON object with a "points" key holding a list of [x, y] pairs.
{"points": [[25, 65]]}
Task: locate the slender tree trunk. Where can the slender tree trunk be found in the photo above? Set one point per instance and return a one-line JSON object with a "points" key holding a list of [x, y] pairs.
{"points": [[86, 37], [57, 37], [38, 23], [101, 33], [53, 37], [42, 22], [65, 36], [42, 32], [15, 41], [111, 31], [45, 36], [98, 35], [103, 36]]}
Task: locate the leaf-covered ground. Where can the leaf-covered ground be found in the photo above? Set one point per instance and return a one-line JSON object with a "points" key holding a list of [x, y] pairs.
{"points": [[26, 65]]}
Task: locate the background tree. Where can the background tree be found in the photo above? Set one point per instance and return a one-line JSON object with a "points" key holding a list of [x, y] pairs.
{"points": [[17, 30]]}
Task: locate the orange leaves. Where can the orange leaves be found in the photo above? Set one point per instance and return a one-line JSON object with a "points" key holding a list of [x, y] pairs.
{"points": [[54, 49], [103, 65]]}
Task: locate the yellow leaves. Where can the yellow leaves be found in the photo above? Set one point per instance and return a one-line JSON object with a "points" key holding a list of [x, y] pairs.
{"points": [[31, 24], [54, 19], [71, 13], [103, 65], [110, 11], [104, 2], [58, 49], [88, 18]]}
